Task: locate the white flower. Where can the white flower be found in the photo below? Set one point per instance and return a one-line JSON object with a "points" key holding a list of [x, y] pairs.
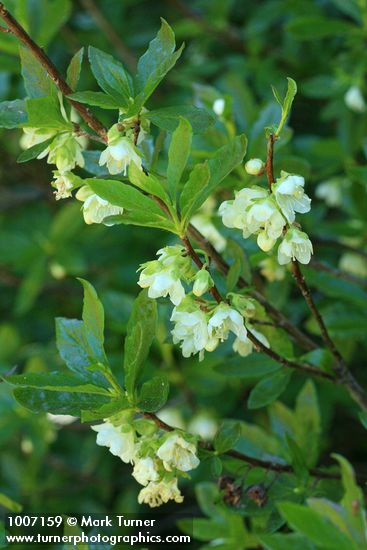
{"points": [[203, 282], [290, 196], [295, 245], [65, 151], [254, 167], [119, 154], [224, 320], [119, 439], [173, 417], [233, 212], [61, 419], [63, 183], [161, 282], [218, 106], [34, 136], [191, 330], [177, 453], [264, 218], [157, 493], [95, 209], [244, 348], [203, 425], [145, 471], [355, 100], [331, 191]]}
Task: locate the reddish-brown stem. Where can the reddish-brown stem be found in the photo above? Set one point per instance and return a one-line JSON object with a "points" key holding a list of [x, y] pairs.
{"points": [[17, 30], [269, 160], [255, 462]]}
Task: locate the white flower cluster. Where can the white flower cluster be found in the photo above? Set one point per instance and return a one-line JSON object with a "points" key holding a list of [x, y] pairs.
{"points": [[270, 215], [158, 460]]}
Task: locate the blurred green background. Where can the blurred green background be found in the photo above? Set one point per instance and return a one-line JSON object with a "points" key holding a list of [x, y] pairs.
{"points": [[238, 48]]}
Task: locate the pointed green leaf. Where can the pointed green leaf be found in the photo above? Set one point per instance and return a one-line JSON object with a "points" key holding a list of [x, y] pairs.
{"points": [[55, 381], [227, 436], [73, 71], [147, 182], [58, 402], [140, 333], [96, 99], [178, 154], [153, 394], [37, 83], [111, 76], [269, 389], [190, 198], [34, 151], [13, 114], [93, 318], [44, 112], [167, 118]]}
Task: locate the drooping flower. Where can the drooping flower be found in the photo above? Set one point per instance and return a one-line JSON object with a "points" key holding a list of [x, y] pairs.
{"points": [[34, 136], [290, 195], [202, 283], [233, 212], [119, 153], [145, 471], [158, 493], [161, 282], [96, 209], [295, 246], [354, 99], [64, 184], [244, 348], [177, 453], [264, 219], [190, 329], [225, 319], [66, 151], [254, 167], [219, 105], [119, 439]]}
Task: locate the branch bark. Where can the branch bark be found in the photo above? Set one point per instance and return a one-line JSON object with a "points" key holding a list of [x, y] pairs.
{"points": [[17, 30]]}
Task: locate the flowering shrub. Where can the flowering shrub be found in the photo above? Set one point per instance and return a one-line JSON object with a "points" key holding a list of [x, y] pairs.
{"points": [[239, 223]]}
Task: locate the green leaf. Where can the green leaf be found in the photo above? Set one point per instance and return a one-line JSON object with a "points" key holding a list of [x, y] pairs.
{"points": [[167, 118], [13, 114], [221, 164], [31, 285], [58, 402], [269, 389], [254, 365], [298, 460], [37, 83], [9, 503], [191, 194], [44, 18], [147, 182], [93, 318], [314, 526], [141, 330], [74, 68], [111, 76], [178, 154], [105, 411], [153, 394], [285, 104], [293, 541], [34, 151], [143, 210], [308, 422], [55, 381], [96, 99], [44, 112], [227, 436], [155, 63], [363, 419], [204, 529]]}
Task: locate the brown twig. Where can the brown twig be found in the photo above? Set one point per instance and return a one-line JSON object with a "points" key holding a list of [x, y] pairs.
{"points": [[269, 160], [255, 462], [16, 29], [124, 52], [301, 367], [338, 273]]}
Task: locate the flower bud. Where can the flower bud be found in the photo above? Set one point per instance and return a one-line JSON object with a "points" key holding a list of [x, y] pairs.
{"points": [[243, 304], [355, 100], [254, 167], [203, 282], [218, 106]]}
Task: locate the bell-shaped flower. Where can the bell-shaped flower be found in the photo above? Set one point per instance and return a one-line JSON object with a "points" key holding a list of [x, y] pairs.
{"points": [[233, 212], [119, 153], [202, 283], [244, 348], [157, 493], [34, 136], [225, 319], [264, 219], [66, 151], [64, 183], [290, 195], [119, 439], [96, 209], [254, 167], [177, 453], [295, 246], [190, 328], [145, 470], [161, 282], [354, 99]]}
